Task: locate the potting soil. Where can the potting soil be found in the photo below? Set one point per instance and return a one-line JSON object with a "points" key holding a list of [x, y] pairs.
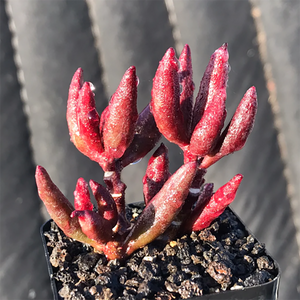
{"points": [[222, 257]]}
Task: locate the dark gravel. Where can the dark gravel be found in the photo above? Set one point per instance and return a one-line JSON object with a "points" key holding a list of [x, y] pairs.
{"points": [[221, 257]]}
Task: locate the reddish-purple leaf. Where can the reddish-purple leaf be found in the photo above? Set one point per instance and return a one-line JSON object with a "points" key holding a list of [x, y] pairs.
{"points": [[217, 203], [235, 135], [82, 200], [214, 79], [88, 123], [162, 209], [75, 86], [106, 204], [121, 116], [157, 173], [83, 119], [58, 206], [165, 102], [93, 225], [207, 131], [146, 136], [202, 199], [187, 85]]}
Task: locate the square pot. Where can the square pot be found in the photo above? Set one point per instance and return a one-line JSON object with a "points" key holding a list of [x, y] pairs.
{"points": [[267, 290]]}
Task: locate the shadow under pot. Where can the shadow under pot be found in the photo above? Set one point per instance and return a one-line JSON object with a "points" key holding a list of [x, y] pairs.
{"points": [[224, 261]]}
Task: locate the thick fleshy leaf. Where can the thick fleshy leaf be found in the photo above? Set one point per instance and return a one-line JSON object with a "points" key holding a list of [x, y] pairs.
{"points": [[202, 199], [217, 203], [82, 200], [121, 116], [88, 123], [207, 131], [75, 86], [157, 173], [214, 79], [235, 135], [58, 206], [162, 209], [83, 119], [93, 225], [165, 102], [106, 205], [187, 85], [146, 136]]}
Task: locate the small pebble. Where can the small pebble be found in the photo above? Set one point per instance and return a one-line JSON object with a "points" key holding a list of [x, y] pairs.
{"points": [[173, 244]]}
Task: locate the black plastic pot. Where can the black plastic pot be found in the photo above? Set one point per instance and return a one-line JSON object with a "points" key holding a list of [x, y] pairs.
{"points": [[266, 291]]}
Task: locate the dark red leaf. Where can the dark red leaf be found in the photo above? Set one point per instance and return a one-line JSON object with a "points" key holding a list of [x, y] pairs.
{"points": [[121, 116], [82, 200], [157, 173], [106, 205], [214, 80], [165, 102], [217, 203]]}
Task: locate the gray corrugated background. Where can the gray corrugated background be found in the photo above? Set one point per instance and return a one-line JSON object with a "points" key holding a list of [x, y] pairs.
{"points": [[42, 44]]}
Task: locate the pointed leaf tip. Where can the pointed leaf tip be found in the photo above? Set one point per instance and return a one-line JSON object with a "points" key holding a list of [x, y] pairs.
{"points": [[157, 173], [118, 128], [170, 54], [106, 205], [82, 199], [225, 46], [217, 203], [58, 206], [165, 102], [187, 85], [235, 135], [82, 117], [222, 52], [214, 82]]}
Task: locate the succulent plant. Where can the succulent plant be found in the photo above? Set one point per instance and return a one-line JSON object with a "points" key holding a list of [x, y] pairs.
{"points": [[174, 203]]}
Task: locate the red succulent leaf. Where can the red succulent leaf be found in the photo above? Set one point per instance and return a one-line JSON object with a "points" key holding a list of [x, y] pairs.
{"points": [[162, 209], [235, 135], [157, 173], [58, 206], [187, 84], [75, 86], [207, 131], [106, 205], [217, 203], [93, 225], [82, 200], [83, 119], [165, 102], [121, 116], [202, 199], [88, 122], [214, 80], [146, 136]]}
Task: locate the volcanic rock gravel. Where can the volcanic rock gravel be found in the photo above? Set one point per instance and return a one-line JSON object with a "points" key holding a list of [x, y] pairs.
{"points": [[222, 257]]}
